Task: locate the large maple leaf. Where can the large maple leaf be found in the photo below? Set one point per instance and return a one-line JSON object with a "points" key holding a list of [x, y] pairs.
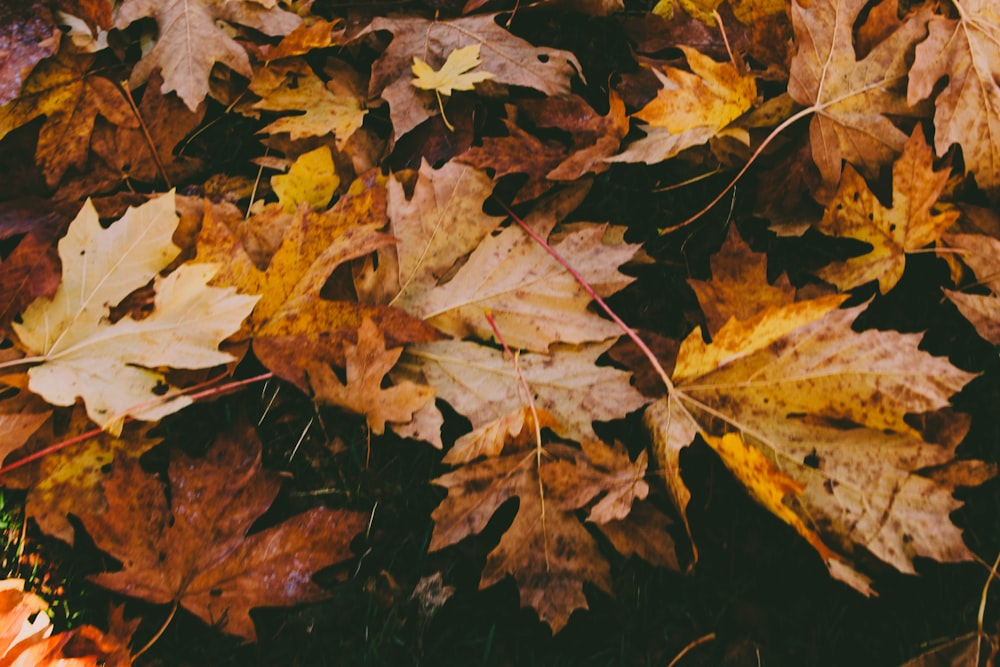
{"points": [[510, 59], [851, 98], [190, 42], [811, 417], [194, 549], [906, 227], [80, 353], [967, 110], [982, 254]]}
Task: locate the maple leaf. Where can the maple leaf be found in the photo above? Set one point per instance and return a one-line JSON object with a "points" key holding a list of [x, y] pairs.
{"points": [[190, 42], [851, 98], [739, 287], [455, 73], [335, 107], [367, 363], [481, 384], [291, 323], [810, 416], [510, 59], [194, 550], [690, 108], [906, 227], [80, 353], [439, 224], [70, 97], [546, 549], [311, 180], [982, 254], [967, 110], [25, 642]]}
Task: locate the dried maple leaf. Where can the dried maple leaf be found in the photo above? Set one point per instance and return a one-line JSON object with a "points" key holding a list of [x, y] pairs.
{"points": [[967, 110], [30, 643], [70, 97], [190, 42], [810, 416], [335, 107], [535, 302], [481, 384], [110, 365], [455, 74], [311, 180], [982, 254], [438, 225], [851, 98], [906, 227], [690, 108], [291, 323], [367, 364], [194, 550], [510, 59], [547, 549], [739, 287]]}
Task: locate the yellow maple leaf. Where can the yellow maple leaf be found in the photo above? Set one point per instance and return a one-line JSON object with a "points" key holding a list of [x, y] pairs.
{"points": [[454, 75], [810, 416], [312, 179]]}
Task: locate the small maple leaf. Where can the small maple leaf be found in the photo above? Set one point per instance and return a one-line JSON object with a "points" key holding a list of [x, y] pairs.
{"points": [[110, 365], [810, 416], [194, 550], [455, 73], [368, 362], [907, 227]]}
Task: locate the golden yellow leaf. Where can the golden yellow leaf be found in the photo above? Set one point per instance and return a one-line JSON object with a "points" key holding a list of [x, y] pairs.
{"points": [[906, 227], [311, 180], [455, 73], [811, 417]]}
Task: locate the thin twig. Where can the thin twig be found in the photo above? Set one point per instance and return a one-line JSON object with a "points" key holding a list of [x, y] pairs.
{"points": [[145, 132]]}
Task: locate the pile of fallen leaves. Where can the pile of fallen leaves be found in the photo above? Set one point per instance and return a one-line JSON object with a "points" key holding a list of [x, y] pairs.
{"points": [[386, 213]]}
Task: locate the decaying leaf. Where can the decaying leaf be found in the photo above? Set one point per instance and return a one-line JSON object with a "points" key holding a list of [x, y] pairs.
{"points": [[194, 549], [367, 363], [908, 226], [111, 365], [547, 549], [190, 42], [809, 415], [967, 110], [852, 98]]}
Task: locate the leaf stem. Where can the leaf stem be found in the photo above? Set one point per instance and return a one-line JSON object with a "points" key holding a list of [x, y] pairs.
{"points": [[626, 329], [127, 91], [159, 633], [774, 133]]}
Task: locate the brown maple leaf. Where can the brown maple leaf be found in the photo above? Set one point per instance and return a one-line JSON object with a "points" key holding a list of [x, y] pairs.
{"points": [[980, 253], [190, 41], [70, 96], [739, 287], [193, 549], [367, 364], [908, 226], [967, 110], [851, 98]]}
